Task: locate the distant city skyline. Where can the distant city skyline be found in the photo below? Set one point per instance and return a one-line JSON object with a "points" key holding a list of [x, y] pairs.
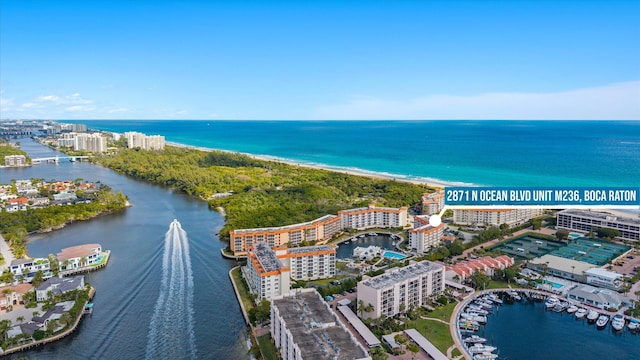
{"points": [[292, 60]]}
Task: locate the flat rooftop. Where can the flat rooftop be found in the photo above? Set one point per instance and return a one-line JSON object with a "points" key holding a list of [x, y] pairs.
{"points": [[266, 257], [401, 274], [315, 328], [286, 227], [602, 216], [310, 249]]}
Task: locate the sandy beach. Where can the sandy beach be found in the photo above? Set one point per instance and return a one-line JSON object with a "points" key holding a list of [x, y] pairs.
{"points": [[356, 172]]}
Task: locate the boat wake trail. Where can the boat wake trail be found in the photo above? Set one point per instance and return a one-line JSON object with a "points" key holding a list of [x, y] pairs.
{"points": [[171, 334]]}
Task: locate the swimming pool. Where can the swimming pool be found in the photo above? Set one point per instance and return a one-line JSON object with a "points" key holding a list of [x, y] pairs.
{"points": [[554, 284], [393, 255]]}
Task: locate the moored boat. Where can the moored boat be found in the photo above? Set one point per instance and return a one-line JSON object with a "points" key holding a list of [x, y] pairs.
{"points": [[617, 323], [602, 321], [592, 316], [479, 348], [572, 309], [475, 339], [634, 325], [551, 302], [581, 313], [485, 356]]}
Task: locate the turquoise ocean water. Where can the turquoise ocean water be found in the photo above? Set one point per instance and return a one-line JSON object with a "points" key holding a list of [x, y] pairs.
{"points": [[498, 153]]}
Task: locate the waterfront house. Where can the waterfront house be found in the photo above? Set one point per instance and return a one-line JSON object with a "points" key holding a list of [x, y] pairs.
{"points": [[58, 286], [75, 257], [29, 266], [12, 295]]}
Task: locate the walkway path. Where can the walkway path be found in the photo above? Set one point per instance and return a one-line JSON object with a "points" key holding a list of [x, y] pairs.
{"points": [[6, 254], [434, 319]]}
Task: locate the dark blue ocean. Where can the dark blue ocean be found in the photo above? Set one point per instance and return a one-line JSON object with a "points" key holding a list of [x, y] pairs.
{"points": [[498, 153]]}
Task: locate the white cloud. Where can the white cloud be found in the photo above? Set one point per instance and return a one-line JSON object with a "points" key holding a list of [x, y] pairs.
{"points": [[29, 105], [118, 110], [182, 112], [48, 98], [76, 108], [619, 101]]}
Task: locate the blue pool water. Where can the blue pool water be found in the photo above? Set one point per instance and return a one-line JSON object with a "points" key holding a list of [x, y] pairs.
{"points": [[555, 285], [393, 255]]}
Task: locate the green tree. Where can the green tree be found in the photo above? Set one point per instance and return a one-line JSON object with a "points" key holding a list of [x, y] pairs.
{"points": [[479, 280], [414, 350], [378, 353], [606, 233], [261, 313], [38, 278], [456, 248], [5, 325], [536, 223], [562, 234]]}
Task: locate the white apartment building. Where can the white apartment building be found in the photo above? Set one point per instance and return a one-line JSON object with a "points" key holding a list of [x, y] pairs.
{"points": [[140, 140], [432, 203], [309, 262], [67, 139], [90, 142], [425, 237], [265, 274], [29, 266], [495, 217], [15, 160], [399, 289], [585, 221], [372, 216], [303, 326]]}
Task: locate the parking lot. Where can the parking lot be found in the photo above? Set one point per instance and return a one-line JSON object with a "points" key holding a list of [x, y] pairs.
{"points": [[626, 265]]}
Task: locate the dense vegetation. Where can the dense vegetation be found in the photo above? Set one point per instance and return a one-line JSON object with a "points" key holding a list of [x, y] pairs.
{"points": [[6, 149], [262, 193], [15, 226]]}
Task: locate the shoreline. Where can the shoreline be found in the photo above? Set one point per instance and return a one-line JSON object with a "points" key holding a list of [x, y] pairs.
{"points": [[431, 182]]}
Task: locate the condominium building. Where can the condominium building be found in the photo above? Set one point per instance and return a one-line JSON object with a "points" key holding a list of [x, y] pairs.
{"points": [[265, 274], [494, 217], [15, 160], [140, 140], [90, 142], [586, 221], [309, 262], [67, 139], [401, 289], [303, 326], [319, 229], [432, 203], [424, 237], [485, 265], [372, 216]]}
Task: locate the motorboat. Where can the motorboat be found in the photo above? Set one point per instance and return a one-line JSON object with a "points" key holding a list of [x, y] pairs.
{"points": [[572, 309], [592, 316], [581, 313], [602, 321], [495, 298], [485, 356], [475, 339], [479, 348], [617, 322], [634, 325], [480, 319], [551, 302], [560, 307]]}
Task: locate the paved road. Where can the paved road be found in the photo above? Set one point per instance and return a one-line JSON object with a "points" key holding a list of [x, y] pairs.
{"points": [[6, 254]]}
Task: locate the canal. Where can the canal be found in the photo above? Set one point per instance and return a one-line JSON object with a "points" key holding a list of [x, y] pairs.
{"points": [[128, 289]]}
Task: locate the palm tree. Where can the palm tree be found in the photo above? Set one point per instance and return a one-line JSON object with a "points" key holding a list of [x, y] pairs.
{"points": [[5, 325], [361, 307], [83, 261]]}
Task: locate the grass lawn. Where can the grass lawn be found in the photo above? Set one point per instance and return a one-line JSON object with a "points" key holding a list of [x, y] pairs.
{"points": [[456, 352], [443, 312], [267, 348], [436, 332], [242, 288], [493, 284]]}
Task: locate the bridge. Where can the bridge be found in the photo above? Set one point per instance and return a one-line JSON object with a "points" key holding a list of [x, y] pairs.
{"points": [[56, 159]]}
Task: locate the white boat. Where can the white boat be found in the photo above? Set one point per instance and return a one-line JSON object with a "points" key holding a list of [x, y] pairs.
{"points": [[560, 307], [571, 309], [495, 299], [634, 325], [372, 234], [551, 302], [479, 348], [617, 323], [592, 316], [480, 319], [475, 339], [581, 313], [485, 356], [602, 321]]}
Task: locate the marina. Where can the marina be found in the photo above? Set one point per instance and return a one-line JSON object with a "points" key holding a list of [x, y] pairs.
{"points": [[486, 328]]}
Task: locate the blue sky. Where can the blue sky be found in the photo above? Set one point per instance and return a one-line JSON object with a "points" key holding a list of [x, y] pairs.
{"points": [[320, 59]]}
